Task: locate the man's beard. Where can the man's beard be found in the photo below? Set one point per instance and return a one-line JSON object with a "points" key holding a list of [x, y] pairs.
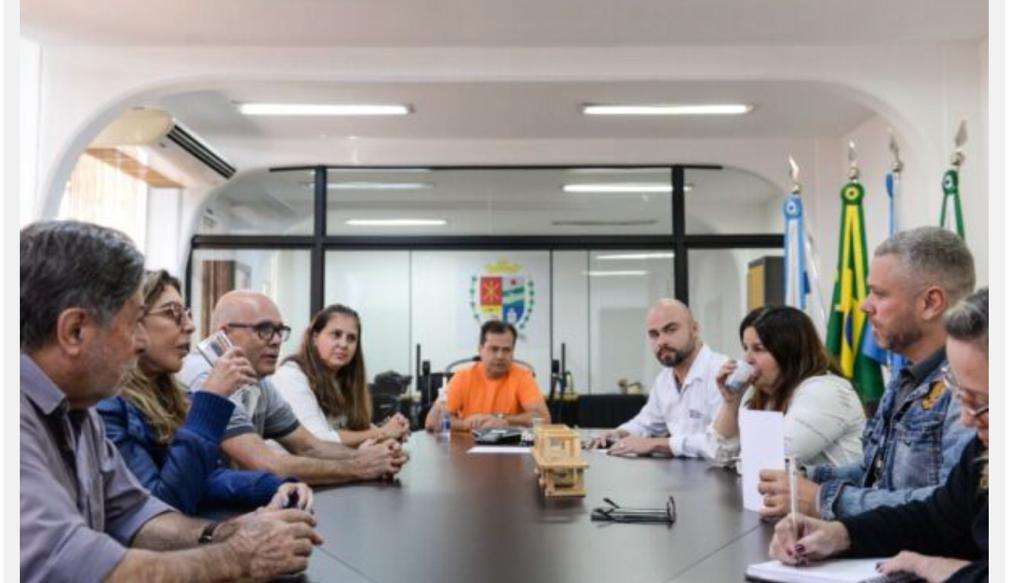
{"points": [[672, 357], [901, 339], [898, 339]]}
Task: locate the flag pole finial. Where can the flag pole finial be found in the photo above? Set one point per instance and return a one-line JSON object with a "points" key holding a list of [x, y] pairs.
{"points": [[851, 155], [794, 176], [958, 141], [894, 147]]}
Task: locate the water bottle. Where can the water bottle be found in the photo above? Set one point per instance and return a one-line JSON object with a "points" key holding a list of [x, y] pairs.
{"points": [[446, 422]]}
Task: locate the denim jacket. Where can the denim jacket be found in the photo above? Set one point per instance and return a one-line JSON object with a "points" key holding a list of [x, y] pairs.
{"points": [[189, 472], [917, 443]]}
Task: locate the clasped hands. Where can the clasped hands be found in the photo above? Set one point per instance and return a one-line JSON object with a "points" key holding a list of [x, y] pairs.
{"points": [[486, 421]]}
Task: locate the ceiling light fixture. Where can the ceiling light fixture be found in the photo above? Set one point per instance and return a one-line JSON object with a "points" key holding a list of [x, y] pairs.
{"points": [[396, 222], [604, 223], [636, 256], [621, 187], [352, 170], [377, 185], [669, 109], [627, 273], [321, 109]]}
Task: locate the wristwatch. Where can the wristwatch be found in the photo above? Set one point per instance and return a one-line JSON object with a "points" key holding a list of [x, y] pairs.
{"points": [[500, 415], [207, 535]]}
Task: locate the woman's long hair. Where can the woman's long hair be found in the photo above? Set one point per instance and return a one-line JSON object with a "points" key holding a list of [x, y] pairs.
{"points": [[159, 398], [344, 392], [790, 337]]}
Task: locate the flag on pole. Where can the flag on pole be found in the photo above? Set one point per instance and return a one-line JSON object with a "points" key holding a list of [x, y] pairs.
{"points": [[797, 284], [872, 350], [952, 218], [801, 279], [847, 323]]}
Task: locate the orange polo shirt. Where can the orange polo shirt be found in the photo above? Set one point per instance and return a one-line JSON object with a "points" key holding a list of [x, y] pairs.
{"points": [[470, 392]]}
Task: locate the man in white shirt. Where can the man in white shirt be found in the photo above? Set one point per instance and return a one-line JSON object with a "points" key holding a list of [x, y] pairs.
{"points": [[684, 398]]}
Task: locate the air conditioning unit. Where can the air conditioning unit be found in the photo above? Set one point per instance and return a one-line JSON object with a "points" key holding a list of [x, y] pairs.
{"points": [[164, 137]]}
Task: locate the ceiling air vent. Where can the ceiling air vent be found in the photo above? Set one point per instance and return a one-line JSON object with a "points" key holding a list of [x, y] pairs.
{"points": [[157, 130]]}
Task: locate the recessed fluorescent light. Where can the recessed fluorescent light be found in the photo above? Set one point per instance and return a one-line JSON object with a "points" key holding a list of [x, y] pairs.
{"points": [[636, 273], [645, 170], [603, 223], [622, 187], [379, 185], [376, 185], [321, 109], [700, 109], [350, 170], [396, 222], [636, 256]]}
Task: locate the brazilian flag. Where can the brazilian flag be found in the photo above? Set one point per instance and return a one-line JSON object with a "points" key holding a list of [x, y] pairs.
{"points": [[847, 323]]}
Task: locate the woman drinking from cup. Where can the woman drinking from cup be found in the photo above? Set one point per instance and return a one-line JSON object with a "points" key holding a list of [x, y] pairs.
{"points": [[787, 370]]}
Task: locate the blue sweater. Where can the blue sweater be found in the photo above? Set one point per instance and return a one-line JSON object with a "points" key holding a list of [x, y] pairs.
{"points": [[189, 473]]}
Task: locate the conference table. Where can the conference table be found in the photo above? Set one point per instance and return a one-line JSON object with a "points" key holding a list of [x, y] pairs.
{"points": [[453, 516]]}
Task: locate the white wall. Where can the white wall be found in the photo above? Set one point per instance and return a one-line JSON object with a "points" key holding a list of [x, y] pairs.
{"points": [[378, 285], [960, 92], [30, 56], [919, 201]]}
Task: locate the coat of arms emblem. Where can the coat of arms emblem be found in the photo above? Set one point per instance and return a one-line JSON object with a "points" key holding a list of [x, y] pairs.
{"points": [[502, 292]]}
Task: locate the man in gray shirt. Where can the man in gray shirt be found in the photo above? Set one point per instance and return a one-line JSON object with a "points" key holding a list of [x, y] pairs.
{"points": [[253, 323], [81, 509]]}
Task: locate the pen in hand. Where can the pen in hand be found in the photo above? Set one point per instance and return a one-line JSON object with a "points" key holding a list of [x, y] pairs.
{"points": [[794, 507]]}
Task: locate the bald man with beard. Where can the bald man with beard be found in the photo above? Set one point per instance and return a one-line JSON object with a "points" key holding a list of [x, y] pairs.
{"points": [[253, 323], [684, 398]]}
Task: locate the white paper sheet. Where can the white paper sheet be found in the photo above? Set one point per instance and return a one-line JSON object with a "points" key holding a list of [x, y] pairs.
{"points": [[832, 571], [761, 448], [504, 449]]}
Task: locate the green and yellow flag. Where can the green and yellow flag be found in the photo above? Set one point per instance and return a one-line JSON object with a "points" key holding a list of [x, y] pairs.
{"points": [[847, 323], [952, 217]]}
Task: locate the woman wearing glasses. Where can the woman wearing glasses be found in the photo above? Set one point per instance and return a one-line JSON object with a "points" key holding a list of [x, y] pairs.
{"points": [[325, 382], [792, 374], [173, 445], [945, 536]]}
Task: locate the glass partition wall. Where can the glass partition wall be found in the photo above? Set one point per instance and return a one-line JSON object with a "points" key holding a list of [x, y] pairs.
{"points": [[573, 257]]}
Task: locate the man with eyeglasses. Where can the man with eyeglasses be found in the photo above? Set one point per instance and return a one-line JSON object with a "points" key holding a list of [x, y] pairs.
{"points": [[915, 438], [253, 323]]}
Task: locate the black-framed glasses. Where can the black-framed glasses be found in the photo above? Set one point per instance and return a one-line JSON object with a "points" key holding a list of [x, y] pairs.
{"points": [[265, 330], [176, 312], [615, 513], [966, 395]]}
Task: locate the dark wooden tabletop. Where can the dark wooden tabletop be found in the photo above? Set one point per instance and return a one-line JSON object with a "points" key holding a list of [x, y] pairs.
{"points": [[459, 517]]}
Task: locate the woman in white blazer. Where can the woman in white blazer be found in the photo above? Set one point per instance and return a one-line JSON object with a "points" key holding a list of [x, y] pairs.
{"points": [[793, 374]]}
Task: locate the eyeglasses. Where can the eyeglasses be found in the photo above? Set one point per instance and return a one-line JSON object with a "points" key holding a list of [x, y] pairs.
{"points": [[966, 395], [615, 513], [176, 312], [266, 330]]}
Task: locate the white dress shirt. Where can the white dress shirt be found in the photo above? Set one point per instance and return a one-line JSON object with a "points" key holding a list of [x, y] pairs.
{"points": [[682, 411]]}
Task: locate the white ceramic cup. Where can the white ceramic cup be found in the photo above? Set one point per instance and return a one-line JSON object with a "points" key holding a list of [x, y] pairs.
{"points": [[739, 378]]}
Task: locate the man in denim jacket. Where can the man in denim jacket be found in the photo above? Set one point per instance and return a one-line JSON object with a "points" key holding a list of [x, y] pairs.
{"points": [[915, 438]]}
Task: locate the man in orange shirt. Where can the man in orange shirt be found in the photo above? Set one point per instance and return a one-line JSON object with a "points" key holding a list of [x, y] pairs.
{"points": [[494, 392]]}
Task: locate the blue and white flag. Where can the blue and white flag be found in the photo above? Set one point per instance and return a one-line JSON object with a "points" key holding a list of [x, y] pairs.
{"points": [[871, 349], [801, 287]]}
